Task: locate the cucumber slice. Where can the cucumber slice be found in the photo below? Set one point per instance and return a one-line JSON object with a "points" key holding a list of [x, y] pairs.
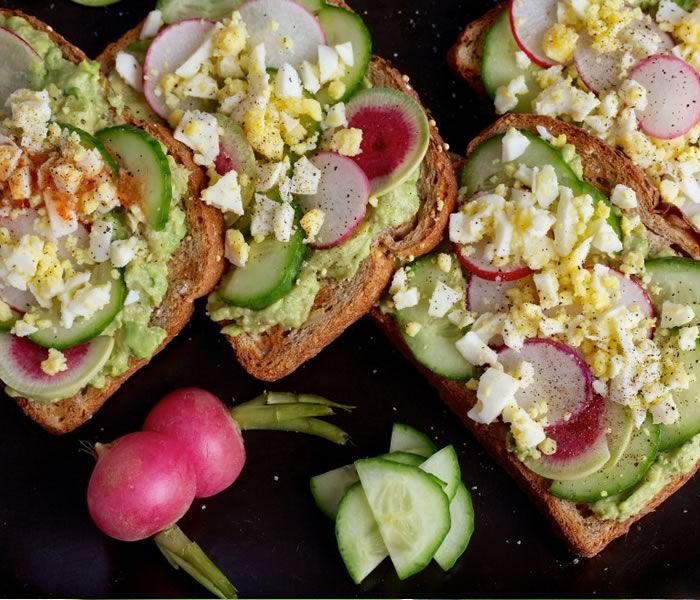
{"points": [[95, 2], [411, 509], [268, 276], [688, 404], [434, 344], [445, 466], [615, 478], [329, 488], [7, 325], [313, 5], [405, 458], [405, 438], [342, 26], [84, 330], [678, 280], [91, 142], [461, 529], [357, 533], [484, 169], [145, 166], [179, 10], [598, 196], [498, 65]]}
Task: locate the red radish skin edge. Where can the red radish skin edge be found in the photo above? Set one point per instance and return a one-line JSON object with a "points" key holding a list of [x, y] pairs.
{"points": [[200, 422], [579, 433], [545, 64], [142, 484], [516, 273]]}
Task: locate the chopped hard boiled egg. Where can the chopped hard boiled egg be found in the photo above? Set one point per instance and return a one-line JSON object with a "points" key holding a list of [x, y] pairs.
{"points": [[496, 391]]}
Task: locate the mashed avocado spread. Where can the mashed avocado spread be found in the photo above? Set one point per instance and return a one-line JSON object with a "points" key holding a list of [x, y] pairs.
{"points": [[341, 263], [78, 98]]}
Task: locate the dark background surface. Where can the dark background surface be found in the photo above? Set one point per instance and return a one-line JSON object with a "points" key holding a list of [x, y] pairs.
{"points": [[265, 532]]}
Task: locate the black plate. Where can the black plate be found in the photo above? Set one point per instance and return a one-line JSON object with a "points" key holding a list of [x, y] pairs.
{"points": [[265, 531]]}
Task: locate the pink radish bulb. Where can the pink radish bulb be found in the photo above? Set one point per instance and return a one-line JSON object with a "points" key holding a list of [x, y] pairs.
{"points": [[529, 21], [673, 96], [202, 425], [142, 484]]}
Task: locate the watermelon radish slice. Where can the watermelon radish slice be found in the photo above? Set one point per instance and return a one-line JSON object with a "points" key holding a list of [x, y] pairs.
{"points": [[20, 67], [484, 295], [530, 20], [20, 367], [478, 265], [342, 195], [168, 52], [582, 446], [673, 96], [296, 23], [395, 136], [236, 154], [562, 378], [600, 71]]}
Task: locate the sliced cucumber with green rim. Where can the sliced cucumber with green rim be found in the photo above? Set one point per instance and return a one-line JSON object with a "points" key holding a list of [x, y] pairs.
{"points": [[444, 465], [678, 280], [83, 330], [615, 478], [405, 458], [688, 403], [179, 10], [342, 26], [598, 196], [9, 324], [95, 2], [498, 64], [329, 488], [461, 529], [405, 438], [411, 509], [313, 5], [145, 167], [91, 142], [269, 274], [139, 49], [434, 344], [357, 534]]}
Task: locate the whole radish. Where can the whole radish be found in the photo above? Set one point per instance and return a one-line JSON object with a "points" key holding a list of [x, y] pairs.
{"points": [[200, 422]]}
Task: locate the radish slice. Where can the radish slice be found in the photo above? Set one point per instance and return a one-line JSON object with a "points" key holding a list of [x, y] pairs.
{"points": [[485, 296], [342, 195], [23, 224], [530, 20], [18, 300], [582, 445], [294, 22], [477, 264], [632, 293], [601, 71], [673, 96], [168, 52], [19, 67], [562, 378]]}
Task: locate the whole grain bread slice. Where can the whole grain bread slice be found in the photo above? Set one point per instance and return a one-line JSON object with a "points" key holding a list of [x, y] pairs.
{"points": [[194, 270], [277, 352], [585, 533]]}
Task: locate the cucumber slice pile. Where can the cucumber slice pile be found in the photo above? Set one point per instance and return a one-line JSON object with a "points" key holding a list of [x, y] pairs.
{"points": [[434, 344], [408, 507]]}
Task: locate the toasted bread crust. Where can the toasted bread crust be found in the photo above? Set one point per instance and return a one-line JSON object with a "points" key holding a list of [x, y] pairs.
{"points": [[271, 355], [603, 166], [194, 271]]}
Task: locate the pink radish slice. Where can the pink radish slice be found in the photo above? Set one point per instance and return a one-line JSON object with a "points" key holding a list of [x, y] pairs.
{"points": [[295, 23], [20, 67], [342, 195], [18, 300], [600, 71], [23, 224], [562, 378], [529, 21], [582, 445], [236, 154], [395, 136], [169, 50], [632, 293], [477, 264], [485, 296], [673, 96]]}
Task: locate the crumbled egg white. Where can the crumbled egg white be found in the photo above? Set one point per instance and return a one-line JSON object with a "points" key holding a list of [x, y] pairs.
{"points": [[237, 250]]}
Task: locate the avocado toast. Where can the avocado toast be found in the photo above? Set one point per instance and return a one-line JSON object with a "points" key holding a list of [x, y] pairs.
{"points": [[334, 264], [606, 290], [102, 255]]}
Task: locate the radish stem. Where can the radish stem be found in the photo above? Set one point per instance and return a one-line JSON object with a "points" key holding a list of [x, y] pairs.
{"points": [[312, 427], [183, 552], [258, 417], [286, 398]]}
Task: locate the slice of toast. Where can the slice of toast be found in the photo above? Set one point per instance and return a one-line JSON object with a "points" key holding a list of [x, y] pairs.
{"points": [[271, 355], [604, 167], [194, 270]]}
